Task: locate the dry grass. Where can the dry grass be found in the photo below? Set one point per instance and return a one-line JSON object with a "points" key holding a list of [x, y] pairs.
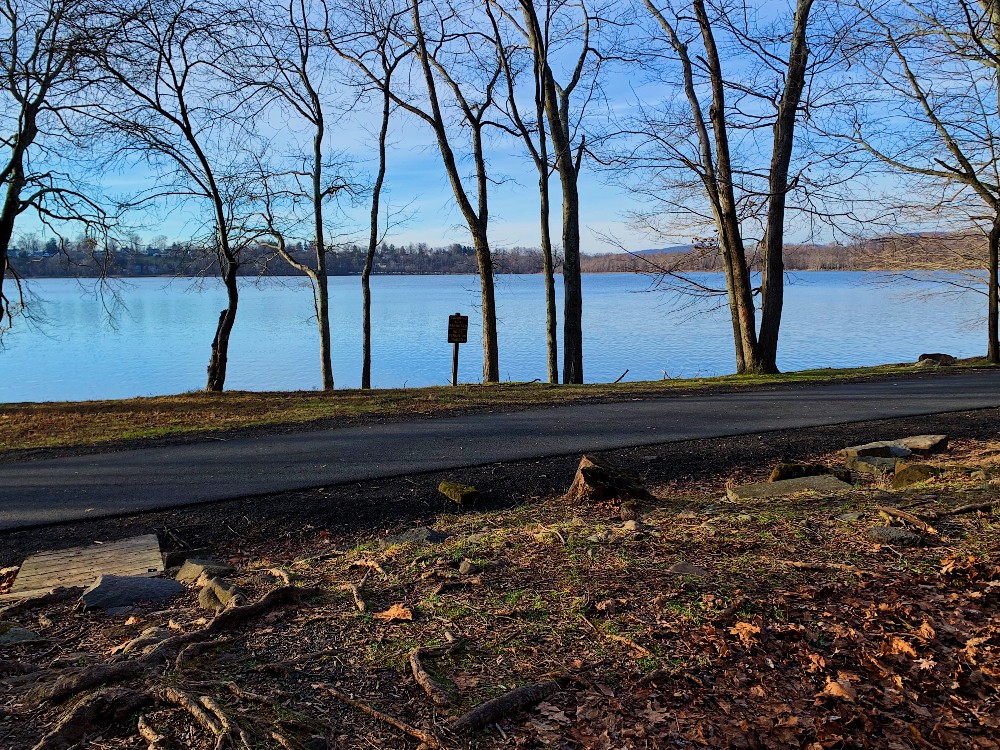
{"points": [[87, 423]]}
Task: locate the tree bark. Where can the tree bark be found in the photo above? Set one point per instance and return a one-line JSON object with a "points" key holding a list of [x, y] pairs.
{"points": [[548, 271], [773, 270], [219, 360], [572, 283], [993, 294], [320, 281], [366, 272]]}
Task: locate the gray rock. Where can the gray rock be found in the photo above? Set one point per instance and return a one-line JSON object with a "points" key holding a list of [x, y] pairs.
{"points": [[416, 535], [937, 358], [913, 474], [193, 569], [797, 470], [684, 568], [460, 494], [822, 484], [980, 476], [11, 633], [925, 443], [893, 535], [881, 449], [871, 464], [118, 592], [467, 567], [630, 525]]}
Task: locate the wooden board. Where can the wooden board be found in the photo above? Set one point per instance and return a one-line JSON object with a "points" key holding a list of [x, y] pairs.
{"points": [[79, 566]]}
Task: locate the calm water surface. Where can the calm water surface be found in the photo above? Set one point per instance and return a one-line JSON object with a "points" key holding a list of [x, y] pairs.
{"points": [[158, 342]]}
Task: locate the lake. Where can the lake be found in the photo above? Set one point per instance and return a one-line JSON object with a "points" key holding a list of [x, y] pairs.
{"points": [[157, 340]]}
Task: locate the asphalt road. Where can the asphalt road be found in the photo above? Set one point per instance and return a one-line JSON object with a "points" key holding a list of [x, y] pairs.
{"points": [[67, 489]]}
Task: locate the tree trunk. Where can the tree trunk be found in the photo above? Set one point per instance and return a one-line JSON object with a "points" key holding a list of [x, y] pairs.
{"points": [[366, 272], [320, 280], [572, 286], [220, 344], [773, 267], [548, 271], [491, 356], [993, 351]]}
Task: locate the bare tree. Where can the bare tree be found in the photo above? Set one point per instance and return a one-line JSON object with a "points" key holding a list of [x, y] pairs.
{"points": [[737, 182], [172, 110], [373, 39], [46, 48], [292, 64], [453, 55], [930, 110]]}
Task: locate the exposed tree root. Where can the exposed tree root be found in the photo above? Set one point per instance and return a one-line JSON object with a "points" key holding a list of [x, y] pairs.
{"points": [[909, 518], [195, 649], [229, 731], [973, 508], [433, 690], [75, 680], [156, 740], [509, 703], [426, 738], [106, 706]]}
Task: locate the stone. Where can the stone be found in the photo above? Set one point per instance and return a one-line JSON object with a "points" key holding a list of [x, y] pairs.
{"points": [[928, 363], [218, 593], [460, 494], [871, 464], [417, 535], [744, 518], [177, 558], [893, 535], [117, 592], [980, 476], [937, 358], [11, 633], [925, 443], [881, 449], [467, 567], [913, 474], [850, 517], [597, 480], [798, 470], [193, 569], [630, 525], [823, 484], [684, 568]]}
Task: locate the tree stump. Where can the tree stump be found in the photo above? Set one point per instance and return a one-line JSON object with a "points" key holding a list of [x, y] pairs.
{"points": [[596, 481]]}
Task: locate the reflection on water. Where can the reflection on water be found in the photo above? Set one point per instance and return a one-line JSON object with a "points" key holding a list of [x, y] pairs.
{"points": [[159, 342]]}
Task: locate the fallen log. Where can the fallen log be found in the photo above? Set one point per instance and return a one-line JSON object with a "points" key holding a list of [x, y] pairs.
{"points": [[509, 703]]}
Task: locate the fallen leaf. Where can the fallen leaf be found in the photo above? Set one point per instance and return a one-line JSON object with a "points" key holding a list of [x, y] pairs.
{"points": [[746, 632], [840, 689], [395, 612]]}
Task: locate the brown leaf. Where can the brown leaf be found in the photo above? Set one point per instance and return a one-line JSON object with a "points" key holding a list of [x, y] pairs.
{"points": [[840, 689], [897, 645], [746, 632], [395, 612]]}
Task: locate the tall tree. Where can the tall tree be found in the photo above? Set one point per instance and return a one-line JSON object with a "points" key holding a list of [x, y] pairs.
{"points": [[46, 49], [929, 109], [373, 39], [172, 110], [292, 64], [714, 137]]}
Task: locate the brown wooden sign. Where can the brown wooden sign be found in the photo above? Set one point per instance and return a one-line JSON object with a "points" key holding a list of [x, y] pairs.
{"points": [[458, 328]]}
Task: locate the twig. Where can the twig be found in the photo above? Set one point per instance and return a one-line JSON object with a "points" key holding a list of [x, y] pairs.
{"points": [[426, 737], [282, 740], [620, 639], [821, 566], [369, 564], [621, 376], [358, 601]]}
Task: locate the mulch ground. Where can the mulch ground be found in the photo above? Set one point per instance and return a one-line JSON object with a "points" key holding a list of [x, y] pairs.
{"points": [[708, 623]]}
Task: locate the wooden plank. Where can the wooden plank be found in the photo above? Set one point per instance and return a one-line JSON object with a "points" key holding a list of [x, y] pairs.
{"points": [[79, 566]]}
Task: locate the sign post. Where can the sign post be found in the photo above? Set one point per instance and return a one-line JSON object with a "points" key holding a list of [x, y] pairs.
{"points": [[458, 333]]}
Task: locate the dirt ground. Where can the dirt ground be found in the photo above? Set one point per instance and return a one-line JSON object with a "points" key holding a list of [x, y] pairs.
{"points": [[686, 620]]}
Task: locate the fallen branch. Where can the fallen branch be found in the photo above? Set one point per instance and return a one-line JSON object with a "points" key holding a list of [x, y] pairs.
{"points": [[358, 601], [902, 515], [426, 737], [106, 706], [973, 508], [821, 566], [620, 639], [509, 703], [433, 690]]}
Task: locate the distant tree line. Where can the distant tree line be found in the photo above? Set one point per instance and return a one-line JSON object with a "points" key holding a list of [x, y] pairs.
{"points": [[738, 123]]}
